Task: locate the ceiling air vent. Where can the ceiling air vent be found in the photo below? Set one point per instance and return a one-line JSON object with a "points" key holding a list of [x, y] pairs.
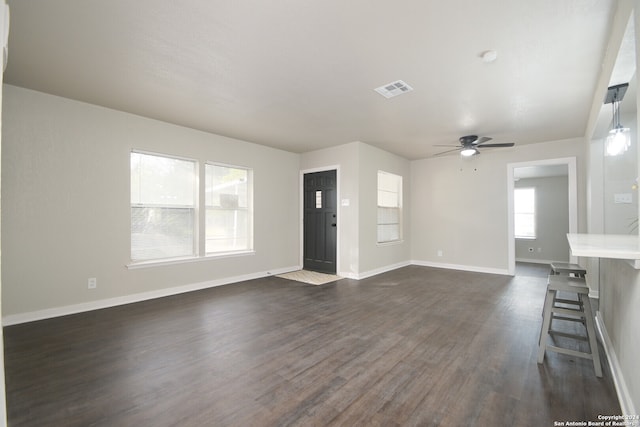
{"points": [[393, 89]]}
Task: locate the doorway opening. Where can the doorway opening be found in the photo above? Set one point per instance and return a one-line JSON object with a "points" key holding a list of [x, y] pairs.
{"points": [[540, 169]]}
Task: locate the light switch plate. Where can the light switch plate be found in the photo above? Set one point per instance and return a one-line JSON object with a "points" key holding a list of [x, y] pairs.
{"points": [[622, 198]]}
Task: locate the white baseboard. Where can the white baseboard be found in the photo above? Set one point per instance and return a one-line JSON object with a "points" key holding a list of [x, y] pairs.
{"points": [[375, 272], [537, 261], [626, 403], [504, 272], [14, 319]]}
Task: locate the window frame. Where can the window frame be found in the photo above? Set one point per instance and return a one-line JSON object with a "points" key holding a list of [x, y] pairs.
{"points": [[248, 209], [199, 251], [399, 207], [195, 210], [533, 214]]}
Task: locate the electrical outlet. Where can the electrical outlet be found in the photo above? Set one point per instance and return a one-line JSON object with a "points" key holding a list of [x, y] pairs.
{"points": [[92, 283], [439, 252]]}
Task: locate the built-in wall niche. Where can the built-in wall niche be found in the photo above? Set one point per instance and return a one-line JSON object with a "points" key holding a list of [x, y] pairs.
{"points": [[615, 172], [620, 173]]}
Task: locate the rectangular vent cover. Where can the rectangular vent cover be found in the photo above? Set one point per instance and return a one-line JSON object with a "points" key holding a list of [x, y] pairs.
{"points": [[393, 89]]}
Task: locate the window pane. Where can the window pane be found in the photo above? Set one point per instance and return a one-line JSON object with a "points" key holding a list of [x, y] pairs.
{"points": [[166, 181], [163, 196], [226, 187], [388, 233], [227, 230], [389, 206], [525, 225], [524, 200], [161, 232], [228, 217], [388, 181], [524, 207], [386, 198], [388, 215]]}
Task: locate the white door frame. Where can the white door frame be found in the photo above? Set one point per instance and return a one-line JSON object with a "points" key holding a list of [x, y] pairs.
{"points": [[573, 201], [338, 212]]}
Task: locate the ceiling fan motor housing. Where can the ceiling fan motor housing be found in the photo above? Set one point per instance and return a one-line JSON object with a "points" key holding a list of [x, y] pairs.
{"points": [[468, 140]]}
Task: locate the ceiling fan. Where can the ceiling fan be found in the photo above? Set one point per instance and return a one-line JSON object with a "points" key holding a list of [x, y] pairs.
{"points": [[469, 145]]}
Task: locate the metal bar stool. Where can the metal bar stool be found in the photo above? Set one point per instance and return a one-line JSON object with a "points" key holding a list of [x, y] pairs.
{"points": [[579, 311], [567, 269]]}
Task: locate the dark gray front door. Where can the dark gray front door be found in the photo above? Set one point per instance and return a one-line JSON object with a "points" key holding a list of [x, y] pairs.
{"points": [[320, 225]]}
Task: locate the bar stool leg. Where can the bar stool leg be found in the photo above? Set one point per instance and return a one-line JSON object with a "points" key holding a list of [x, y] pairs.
{"points": [[546, 324], [591, 332]]}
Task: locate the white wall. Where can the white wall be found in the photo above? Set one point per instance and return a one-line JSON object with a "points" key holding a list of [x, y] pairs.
{"points": [[358, 164], [3, 405], [619, 176], [552, 219], [618, 283], [66, 211], [345, 159], [619, 312], [376, 257], [460, 207]]}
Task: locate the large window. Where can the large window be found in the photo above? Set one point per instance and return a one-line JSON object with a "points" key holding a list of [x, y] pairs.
{"points": [[389, 207], [163, 207], [166, 208], [228, 203], [524, 204]]}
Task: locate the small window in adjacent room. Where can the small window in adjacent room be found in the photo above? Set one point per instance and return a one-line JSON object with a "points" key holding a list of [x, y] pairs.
{"points": [[229, 219], [524, 203], [163, 207], [389, 207]]}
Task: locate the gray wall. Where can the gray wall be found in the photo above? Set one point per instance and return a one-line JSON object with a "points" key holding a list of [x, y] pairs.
{"points": [[66, 206], [460, 207], [615, 281], [66, 199], [358, 164], [552, 217]]}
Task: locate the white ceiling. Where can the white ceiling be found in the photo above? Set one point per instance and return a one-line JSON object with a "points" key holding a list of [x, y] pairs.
{"points": [[300, 75]]}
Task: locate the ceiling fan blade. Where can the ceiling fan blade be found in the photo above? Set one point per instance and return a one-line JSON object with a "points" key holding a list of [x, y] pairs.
{"points": [[501, 144], [449, 145], [482, 140], [448, 151]]}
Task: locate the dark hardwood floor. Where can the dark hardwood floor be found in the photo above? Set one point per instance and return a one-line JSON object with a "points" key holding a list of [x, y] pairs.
{"points": [[414, 347], [533, 270]]}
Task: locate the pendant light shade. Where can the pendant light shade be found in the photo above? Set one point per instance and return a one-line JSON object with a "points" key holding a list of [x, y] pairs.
{"points": [[619, 139]]}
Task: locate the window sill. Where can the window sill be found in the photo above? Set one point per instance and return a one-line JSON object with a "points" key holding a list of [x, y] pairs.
{"points": [[187, 260], [391, 243], [525, 238]]}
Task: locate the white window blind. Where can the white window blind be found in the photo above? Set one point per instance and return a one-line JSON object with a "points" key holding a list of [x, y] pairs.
{"points": [[228, 209], [524, 208], [389, 207], [163, 206]]}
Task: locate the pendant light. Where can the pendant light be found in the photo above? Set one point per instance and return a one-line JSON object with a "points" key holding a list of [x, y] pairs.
{"points": [[618, 140]]}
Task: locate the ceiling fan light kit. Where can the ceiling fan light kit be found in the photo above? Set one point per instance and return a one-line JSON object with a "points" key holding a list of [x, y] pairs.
{"points": [[470, 144], [468, 152], [618, 141]]}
